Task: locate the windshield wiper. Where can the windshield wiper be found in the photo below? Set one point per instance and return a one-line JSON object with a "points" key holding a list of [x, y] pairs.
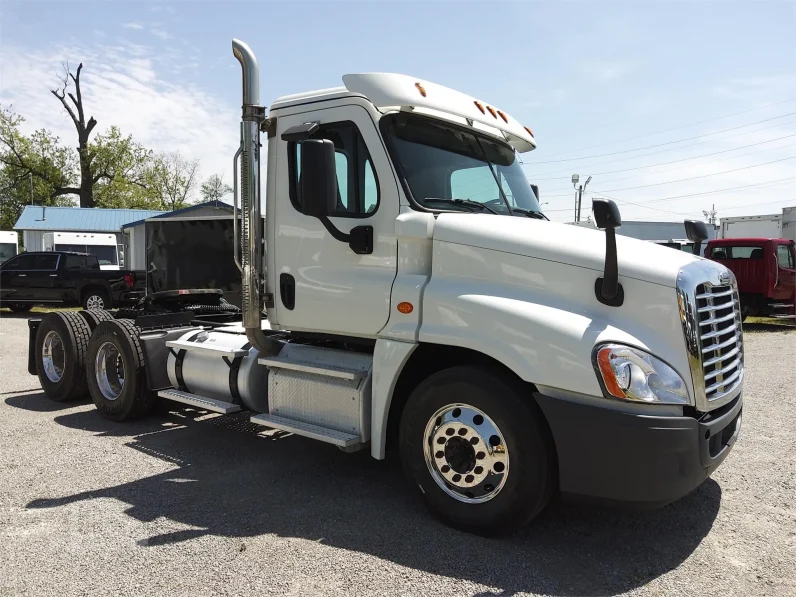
{"points": [[464, 202], [530, 213]]}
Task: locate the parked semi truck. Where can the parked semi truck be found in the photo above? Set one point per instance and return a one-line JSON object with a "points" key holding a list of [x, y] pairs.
{"points": [[102, 246], [408, 295], [767, 226], [8, 245]]}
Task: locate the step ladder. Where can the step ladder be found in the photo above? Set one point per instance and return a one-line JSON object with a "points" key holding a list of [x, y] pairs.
{"points": [[320, 393], [211, 404], [783, 311]]}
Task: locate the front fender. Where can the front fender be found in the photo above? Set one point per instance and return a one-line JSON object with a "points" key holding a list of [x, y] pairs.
{"points": [[547, 339]]}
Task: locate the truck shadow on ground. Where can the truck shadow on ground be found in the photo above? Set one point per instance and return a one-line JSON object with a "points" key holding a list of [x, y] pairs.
{"points": [[232, 480], [35, 401]]}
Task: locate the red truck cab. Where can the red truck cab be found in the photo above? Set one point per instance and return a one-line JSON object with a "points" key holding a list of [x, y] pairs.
{"points": [[766, 272]]}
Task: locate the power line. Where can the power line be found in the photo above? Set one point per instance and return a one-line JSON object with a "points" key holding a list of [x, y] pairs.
{"points": [[714, 192], [643, 186], [696, 157], [602, 155], [565, 171], [672, 129], [692, 166]]}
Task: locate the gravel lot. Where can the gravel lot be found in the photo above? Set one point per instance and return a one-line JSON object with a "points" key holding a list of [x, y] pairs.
{"points": [[183, 503]]}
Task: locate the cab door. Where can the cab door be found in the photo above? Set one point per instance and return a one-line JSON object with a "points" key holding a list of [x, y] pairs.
{"points": [[785, 290], [322, 285]]}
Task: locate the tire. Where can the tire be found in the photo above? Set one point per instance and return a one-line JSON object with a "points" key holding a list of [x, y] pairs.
{"points": [[115, 343], [96, 298], [20, 308], [61, 348], [517, 478], [94, 317]]}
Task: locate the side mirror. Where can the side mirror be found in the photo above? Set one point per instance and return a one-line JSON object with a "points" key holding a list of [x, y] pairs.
{"points": [[318, 178], [607, 289], [319, 194], [696, 231], [606, 214]]}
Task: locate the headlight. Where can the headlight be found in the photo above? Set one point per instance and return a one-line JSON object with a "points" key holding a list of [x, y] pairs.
{"points": [[632, 374]]}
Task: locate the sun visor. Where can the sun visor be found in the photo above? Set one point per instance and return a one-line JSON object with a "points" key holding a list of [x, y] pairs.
{"points": [[388, 90]]}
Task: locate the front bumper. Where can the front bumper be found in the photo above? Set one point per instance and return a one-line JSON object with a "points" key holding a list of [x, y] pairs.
{"points": [[641, 460]]}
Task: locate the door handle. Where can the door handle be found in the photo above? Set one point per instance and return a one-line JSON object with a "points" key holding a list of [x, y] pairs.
{"points": [[287, 290], [53, 275], [22, 275]]}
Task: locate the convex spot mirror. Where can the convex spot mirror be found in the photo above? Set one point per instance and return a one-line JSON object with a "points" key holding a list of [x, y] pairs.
{"points": [[606, 214]]}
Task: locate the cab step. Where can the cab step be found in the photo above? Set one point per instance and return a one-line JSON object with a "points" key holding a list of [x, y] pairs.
{"points": [[783, 316], [344, 441], [219, 351], [211, 404], [328, 362]]}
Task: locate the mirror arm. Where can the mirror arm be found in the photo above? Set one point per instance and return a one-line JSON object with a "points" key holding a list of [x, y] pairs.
{"points": [[360, 240], [607, 289]]}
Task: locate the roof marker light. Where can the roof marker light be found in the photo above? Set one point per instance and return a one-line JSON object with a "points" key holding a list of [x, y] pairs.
{"points": [[529, 131], [480, 106], [492, 111], [421, 89], [503, 116]]}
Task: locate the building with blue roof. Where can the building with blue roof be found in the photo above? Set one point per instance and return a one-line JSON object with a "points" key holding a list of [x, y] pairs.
{"points": [[36, 221]]}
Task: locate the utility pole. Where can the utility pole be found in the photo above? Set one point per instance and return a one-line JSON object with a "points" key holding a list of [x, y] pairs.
{"points": [[711, 215], [31, 187], [578, 194]]}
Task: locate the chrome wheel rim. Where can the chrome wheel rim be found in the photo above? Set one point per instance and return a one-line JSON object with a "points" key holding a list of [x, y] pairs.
{"points": [[466, 453], [53, 357], [95, 302], [110, 371]]}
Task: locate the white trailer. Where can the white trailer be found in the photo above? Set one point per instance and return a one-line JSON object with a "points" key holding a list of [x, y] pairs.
{"points": [[9, 243], [781, 225], [102, 246], [419, 301]]}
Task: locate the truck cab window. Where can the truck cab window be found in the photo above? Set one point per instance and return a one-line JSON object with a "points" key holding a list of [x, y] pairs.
{"points": [[45, 262], [441, 161], [79, 262], [729, 252], [785, 257], [23, 262], [357, 186]]}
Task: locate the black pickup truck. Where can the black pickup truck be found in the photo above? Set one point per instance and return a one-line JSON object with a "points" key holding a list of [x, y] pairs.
{"points": [[57, 278]]}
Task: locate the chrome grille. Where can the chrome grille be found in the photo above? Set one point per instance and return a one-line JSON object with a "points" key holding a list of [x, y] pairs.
{"points": [[720, 338], [710, 313]]}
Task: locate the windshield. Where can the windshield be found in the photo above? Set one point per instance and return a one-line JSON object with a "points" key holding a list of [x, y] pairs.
{"points": [[105, 254], [7, 251], [442, 162]]}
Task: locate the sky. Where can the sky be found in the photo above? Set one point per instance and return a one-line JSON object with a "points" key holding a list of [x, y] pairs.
{"points": [[671, 107]]}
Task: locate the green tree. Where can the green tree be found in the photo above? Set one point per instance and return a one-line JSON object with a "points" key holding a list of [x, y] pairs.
{"points": [[172, 179], [121, 166], [33, 168], [214, 188]]}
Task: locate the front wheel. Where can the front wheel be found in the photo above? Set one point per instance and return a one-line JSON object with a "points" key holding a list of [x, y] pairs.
{"points": [[478, 450]]}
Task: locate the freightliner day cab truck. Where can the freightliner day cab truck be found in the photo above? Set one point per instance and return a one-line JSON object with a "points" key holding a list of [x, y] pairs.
{"points": [[419, 302]]}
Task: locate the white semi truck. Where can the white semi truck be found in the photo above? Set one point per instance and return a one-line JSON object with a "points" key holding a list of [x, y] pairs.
{"points": [[8, 245], [102, 245], [419, 302]]}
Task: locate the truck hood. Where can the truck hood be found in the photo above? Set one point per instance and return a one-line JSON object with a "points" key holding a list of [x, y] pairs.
{"points": [[562, 243]]}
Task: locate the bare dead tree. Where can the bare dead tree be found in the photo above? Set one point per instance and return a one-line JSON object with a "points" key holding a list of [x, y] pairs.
{"points": [[87, 176]]}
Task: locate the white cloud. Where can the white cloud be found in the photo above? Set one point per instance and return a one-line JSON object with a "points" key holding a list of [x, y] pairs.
{"points": [[160, 33], [130, 86], [136, 26]]}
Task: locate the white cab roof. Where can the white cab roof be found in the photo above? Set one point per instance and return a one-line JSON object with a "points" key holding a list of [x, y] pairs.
{"points": [[389, 90]]}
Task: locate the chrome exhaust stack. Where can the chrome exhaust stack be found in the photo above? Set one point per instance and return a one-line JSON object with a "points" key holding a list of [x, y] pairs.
{"points": [[251, 242]]}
